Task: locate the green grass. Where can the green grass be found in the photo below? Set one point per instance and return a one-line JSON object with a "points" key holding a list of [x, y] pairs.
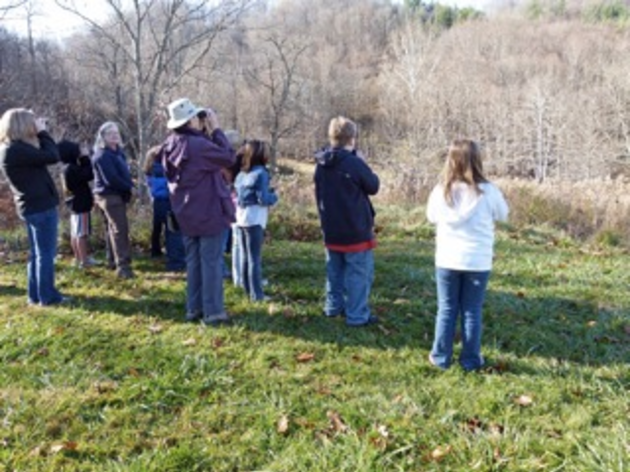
{"points": [[118, 382]]}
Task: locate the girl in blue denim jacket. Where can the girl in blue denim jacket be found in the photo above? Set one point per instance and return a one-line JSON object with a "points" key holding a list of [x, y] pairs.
{"points": [[254, 197]]}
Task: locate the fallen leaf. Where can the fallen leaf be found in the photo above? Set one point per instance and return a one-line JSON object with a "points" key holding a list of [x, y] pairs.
{"points": [[43, 352], [496, 430], [288, 312], [524, 400], [134, 372], [283, 424], [473, 425], [324, 391], [105, 387], [37, 452], [305, 357], [441, 452], [336, 423], [65, 446], [217, 343], [520, 294], [384, 330], [591, 324], [382, 430], [155, 329], [190, 342], [272, 309]]}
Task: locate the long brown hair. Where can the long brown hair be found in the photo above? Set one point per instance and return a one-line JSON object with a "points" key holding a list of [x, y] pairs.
{"points": [[463, 164], [255, 153]]}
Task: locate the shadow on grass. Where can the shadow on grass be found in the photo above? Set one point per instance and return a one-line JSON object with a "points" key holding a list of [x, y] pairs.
{"points": [[554, 328]]}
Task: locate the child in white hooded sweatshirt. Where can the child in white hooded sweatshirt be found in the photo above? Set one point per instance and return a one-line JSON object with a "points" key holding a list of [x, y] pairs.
{"points": [[464, 207]]}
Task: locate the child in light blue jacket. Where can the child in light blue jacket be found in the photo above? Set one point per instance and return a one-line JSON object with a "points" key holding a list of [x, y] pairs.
{"points": [[254, 197]]}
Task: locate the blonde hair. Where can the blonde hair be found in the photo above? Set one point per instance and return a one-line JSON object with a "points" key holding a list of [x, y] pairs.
{"points": [[341, 131], [18, 124], [463, 164], [99, 142]]}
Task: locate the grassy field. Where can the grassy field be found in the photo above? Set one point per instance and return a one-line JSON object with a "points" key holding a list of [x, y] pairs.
{"points": [[118, 382]]}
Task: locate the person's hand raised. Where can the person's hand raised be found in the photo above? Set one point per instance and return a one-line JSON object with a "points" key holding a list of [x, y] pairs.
{"points": [[212, 121], [41, 123]]}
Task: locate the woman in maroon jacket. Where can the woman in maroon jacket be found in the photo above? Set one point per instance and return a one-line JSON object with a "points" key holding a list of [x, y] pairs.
{"points": [[202, 205]]}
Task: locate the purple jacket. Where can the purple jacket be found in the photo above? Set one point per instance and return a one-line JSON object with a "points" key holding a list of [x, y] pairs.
{"points": [[200, 197]]}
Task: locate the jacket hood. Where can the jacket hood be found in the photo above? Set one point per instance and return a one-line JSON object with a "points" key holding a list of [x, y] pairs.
{"points": [[69, 152], [328, 157], [465, 203]]}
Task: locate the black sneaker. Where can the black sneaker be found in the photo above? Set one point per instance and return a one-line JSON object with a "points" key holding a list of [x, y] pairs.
{"points": [[372, 320], [193, 317]]}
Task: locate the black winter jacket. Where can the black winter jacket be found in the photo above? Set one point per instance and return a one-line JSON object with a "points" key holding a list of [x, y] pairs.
{"points": [[77, 175], [26, 168]]}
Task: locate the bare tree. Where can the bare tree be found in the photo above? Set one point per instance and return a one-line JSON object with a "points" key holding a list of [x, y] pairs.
{"points": [[12, 5], [278, 74], [161, 42]]}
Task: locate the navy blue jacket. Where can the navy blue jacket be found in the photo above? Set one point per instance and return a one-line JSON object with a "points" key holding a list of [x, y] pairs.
{"points": [[26, 168], [111, 173], [343, 183]]}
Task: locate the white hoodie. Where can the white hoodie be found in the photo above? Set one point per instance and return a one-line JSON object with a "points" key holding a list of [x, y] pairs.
{"points": [[465, 231]]}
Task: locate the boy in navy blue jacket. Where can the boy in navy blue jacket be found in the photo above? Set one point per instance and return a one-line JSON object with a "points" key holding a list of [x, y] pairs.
{"points": [[343, 184]]}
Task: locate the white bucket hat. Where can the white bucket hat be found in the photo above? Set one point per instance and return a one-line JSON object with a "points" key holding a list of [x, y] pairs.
{"points": [[180, 112]]}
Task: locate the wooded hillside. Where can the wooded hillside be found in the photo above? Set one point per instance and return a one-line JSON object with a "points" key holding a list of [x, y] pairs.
{"points": [[544, 85]]}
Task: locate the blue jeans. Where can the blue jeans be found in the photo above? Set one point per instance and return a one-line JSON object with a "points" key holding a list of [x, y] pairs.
{"points": [[237, 256], [251, 263], [349, 277], [204, 288], [42, 238], [459, 292]]}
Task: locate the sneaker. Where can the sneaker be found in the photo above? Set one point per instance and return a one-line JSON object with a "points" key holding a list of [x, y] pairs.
{"points": [[333, 315], [434, 363], [125, 274], [372, 320], [220, 320], [193, 317], [62, 301]]}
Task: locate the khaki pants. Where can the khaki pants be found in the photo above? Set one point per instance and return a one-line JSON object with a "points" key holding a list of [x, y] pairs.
{"points": [[115, 210]]}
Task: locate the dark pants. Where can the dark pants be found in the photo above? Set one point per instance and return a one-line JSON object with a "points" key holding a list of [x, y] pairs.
{"points": [[175, 253]]}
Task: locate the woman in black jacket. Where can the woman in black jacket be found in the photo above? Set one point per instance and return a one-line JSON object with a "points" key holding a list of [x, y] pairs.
{"points": [[26, 151]]}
